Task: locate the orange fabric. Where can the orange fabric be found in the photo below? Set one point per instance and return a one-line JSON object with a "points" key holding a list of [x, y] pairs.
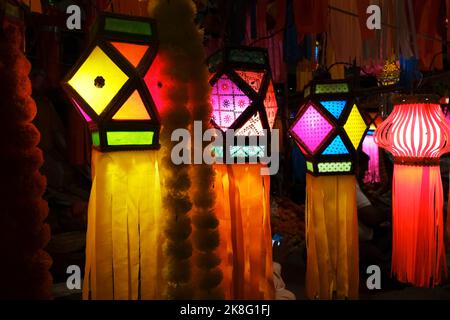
{"points": [[418, 253], [243, 209], [332, 270]]}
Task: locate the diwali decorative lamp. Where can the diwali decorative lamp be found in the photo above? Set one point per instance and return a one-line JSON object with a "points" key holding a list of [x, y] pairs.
{"points": [[243, 99], [106, 86], [369, 147], [416, 134], [329, 129]]}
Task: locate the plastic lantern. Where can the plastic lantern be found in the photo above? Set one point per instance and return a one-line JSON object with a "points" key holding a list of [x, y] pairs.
{"points": [[123, 250], [372, 174], [416, 134], [243, 99], [107, 87], [329, 129]]}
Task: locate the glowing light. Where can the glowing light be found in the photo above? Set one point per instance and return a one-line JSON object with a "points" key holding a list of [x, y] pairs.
{"points": [[355, 126], [271, 106], [253, 127], [83, 81], [252, 78], [335, 107], [132, 109], [336, 147], [132, 52], [332, 88], [129, 138], [84, 114], [334, 167]]}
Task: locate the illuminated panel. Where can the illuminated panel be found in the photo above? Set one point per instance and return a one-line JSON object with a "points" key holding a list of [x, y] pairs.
{"points": [[332, 88], [98, 64], [309, 166], [132, 109], [270, 104], [247, 151], [85, 115], [132, 52], [252, 78], [128, 26], [334, 107], [329, 167], [228, 102], [95, 139], [312, 128], [253, 127], [355, 126], [336, 147], [129, 138]]}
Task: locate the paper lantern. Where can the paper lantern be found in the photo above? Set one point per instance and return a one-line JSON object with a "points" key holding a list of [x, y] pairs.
{"points": [[372, 175], [416, 133], [329, 129], [243, 97], [124, 236], [107, 88]]}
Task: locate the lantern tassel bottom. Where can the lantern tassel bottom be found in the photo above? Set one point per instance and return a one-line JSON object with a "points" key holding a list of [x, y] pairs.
{"points": [[243, 209], [123, 244], [332, 270], [418, 254]]}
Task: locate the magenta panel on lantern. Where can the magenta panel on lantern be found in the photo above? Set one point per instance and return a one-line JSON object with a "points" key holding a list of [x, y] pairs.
{"points": [[228, 102], [85, 115], [312, 128]]}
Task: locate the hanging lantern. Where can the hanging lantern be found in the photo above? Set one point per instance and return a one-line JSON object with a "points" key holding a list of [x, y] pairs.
{"points": [[372, 175], [390, 74], [106, 86], [243, 99], [329, 129], [416, 134]]}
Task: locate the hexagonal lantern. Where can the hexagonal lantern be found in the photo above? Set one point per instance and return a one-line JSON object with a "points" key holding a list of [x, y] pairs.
{"points": [[243, 97], [107, 88], [329, 128]]}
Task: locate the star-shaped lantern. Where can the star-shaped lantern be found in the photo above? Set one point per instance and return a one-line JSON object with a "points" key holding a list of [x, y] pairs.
{"points": [[107, 88], [243, 97], [329, 128]]}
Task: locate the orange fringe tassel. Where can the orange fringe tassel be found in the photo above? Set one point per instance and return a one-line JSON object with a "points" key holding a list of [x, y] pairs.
{"points": [[418, 254]]}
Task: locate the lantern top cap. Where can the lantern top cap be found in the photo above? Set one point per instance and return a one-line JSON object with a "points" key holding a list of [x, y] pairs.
{"points": [[417, 98]]}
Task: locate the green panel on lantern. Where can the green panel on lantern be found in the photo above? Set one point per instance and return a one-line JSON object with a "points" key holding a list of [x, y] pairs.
{"points": [[330, 167], [309, 166], [95, 139], [129, 138], [307, 92], [332, 88], [238, 55], [128, 26]]}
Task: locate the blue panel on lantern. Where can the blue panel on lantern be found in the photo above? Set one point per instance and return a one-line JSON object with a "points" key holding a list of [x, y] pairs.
{"points": [[336, 147], [335, 107]]}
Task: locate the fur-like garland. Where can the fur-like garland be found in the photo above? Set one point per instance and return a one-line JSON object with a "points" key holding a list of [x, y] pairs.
{"points": [[23, 233]]}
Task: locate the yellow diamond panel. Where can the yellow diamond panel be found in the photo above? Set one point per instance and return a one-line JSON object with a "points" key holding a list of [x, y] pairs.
{"points": [[355, 126], [98, 64]]}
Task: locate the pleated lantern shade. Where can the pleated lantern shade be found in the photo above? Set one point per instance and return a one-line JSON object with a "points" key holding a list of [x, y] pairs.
{"points": [[416, 134]]}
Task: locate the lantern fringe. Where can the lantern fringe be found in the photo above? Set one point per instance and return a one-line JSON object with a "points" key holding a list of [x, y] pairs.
{"points": [[371, 149], [124, 258], [243, 209], [332, 270], [418, 254]]}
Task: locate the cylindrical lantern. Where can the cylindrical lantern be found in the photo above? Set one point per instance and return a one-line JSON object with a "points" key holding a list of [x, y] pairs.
{"points": [[416, 133], [372, 175], [106, 86], [243, 98], [329, 129]]}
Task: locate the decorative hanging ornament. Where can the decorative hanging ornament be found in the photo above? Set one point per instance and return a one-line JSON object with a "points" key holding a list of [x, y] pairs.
{"points": [[390, 74], [372, 175], [243, 98], [329, 129], [12, 15], [416, 133], [106, 86]]}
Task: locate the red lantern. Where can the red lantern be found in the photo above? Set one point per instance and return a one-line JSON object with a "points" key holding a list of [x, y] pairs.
{"points": [[416, 134]]}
